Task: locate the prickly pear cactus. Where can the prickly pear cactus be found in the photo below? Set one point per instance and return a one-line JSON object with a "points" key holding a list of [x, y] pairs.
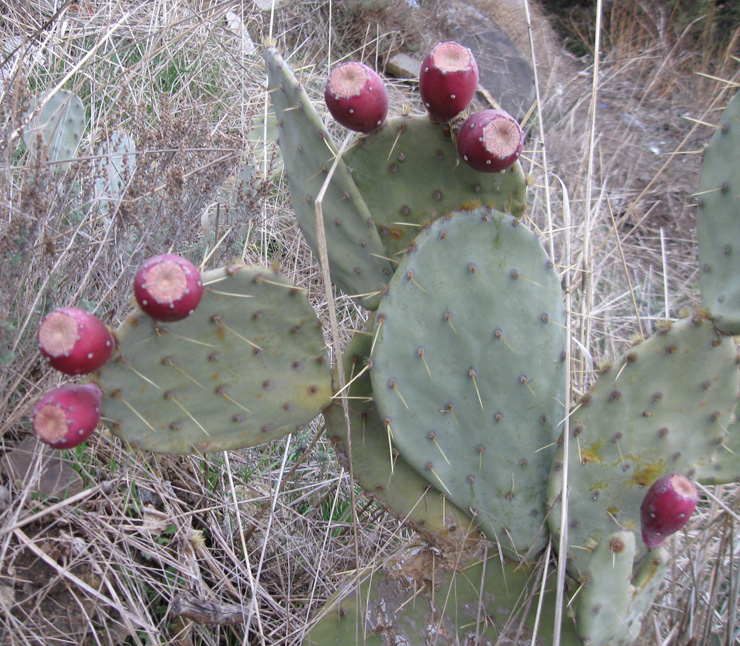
{"points": [[663, 408], [611, 604], [409, 174], [357, 258], [418, 597], [376, 464], [468, 369], [248, 366], [118, 156], [56, 122], [718, 224]]}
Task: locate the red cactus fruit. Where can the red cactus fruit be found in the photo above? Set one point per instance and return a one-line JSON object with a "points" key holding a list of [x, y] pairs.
{"points": [[168, 287], [67, 416], [666, 508], [74, 341], [356, 97], [448, 80], [490, 141]]}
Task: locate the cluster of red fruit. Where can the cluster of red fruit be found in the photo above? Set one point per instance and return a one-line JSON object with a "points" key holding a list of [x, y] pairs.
{"points": [[167, 288], [489, 141]]}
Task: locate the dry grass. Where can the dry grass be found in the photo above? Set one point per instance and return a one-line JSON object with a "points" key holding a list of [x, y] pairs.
{"points": [[269, 530]]}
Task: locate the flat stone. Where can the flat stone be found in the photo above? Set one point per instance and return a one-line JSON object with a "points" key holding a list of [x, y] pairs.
{"points": [[504, 72]]}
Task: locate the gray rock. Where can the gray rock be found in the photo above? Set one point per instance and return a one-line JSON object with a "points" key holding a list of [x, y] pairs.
{"points": [[504, 72]]}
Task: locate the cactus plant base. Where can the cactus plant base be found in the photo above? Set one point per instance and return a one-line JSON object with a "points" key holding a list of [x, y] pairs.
{"points": [[418, 597]]}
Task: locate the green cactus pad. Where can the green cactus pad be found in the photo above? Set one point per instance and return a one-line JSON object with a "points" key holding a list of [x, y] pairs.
{"points": [[724, 467], [118, 164], [663, 408], [468, 369], [417, 598], [409, 174], [611, 605], [356, 254], [603, 600], [718, 224], [248, 366], [57, 126], [398, 487]]}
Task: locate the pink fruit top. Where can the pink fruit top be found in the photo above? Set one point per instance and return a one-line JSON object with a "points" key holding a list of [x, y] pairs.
{"points": [[448, 80], [490, 141], [666, 508], [67, 416], [74, 341], [168, 287], [356, 97]]}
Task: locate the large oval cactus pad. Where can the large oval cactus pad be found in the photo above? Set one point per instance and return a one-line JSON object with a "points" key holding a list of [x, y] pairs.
{"points": [[356, 255], [718, 222], [248, 366], [663, 408], [409, 173], [468, 369]]}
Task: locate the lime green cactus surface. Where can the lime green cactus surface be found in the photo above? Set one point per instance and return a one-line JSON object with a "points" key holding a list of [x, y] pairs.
{"points": [[248, 366], [468, 369], [357, 258], [663, 408], [409, 174], [718, 222]]}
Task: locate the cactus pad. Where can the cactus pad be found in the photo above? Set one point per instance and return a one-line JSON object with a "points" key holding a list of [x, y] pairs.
{"points": [[417, 598], [401, 489], [663, 408], [57, 126], [611, 604], [248, 366], [468, 369], [118, 164], [718, 224], [409, 173], [356, 255]]}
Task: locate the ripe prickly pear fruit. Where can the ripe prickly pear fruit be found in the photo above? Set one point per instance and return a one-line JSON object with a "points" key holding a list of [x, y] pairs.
{"points": [[67, 416], [74, 341], [666, 508], [356, 97], [448, 80], [490, 141], [168, 287]]}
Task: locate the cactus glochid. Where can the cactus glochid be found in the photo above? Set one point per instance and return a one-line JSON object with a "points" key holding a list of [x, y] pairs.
{"points": [[454, 411]]}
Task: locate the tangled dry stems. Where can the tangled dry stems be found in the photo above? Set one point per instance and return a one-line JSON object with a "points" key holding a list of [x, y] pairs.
{"points": [[258, 539]]}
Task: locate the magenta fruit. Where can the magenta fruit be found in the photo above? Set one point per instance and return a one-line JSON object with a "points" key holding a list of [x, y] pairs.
{"points": [[168, 287], [448, 80], [356, 97], [67, 416], [490, 141], [666, 508], [75, 342]]}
